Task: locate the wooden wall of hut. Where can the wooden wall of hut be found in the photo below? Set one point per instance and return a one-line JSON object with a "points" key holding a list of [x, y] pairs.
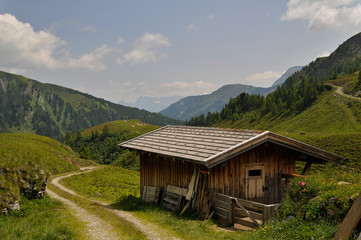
{"points": [[230, 178], [159, 171]]}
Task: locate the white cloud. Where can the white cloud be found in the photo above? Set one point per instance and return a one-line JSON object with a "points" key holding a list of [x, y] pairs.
{"points": [[191, 27], [23, 48], [210, 17], [146, 49], [91, 28], [120, 40], [264, 79], [92, 60], [324, 54], [341, 15]]}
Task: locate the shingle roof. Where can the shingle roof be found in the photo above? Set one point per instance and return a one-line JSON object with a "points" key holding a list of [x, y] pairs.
{"points": [[208, 146]]}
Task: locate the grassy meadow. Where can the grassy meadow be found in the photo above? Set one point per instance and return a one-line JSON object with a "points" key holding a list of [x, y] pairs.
{"points": [[132, 127], [30, 157], [39, 219], [19, 150]]}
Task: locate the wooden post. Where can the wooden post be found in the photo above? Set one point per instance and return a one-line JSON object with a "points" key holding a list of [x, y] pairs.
{"points": [[231, 211], [268, 212], [307, 168], [350, 222]]}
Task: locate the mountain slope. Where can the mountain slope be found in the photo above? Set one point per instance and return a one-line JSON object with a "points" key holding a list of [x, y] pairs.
{"points": [[30, 106], [288, 107], [331, 113], [287, 74], [26, 161], [152, 104], [192, 106], [189, 107], [346, 59]]}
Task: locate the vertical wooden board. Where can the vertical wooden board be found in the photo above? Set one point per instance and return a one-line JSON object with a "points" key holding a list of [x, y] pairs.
{"points": [[242, 171], [141, 173], [172, 175], [267, 173], [277, 154], [226, 178], [219, 182], [236, 176], [232, 177], [272, 173]]}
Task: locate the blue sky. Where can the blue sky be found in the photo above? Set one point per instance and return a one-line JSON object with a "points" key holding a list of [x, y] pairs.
{"points": [[119, 50]]}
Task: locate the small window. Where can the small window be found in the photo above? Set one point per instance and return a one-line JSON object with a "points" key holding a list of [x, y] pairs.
{"points": [[255, 173]]}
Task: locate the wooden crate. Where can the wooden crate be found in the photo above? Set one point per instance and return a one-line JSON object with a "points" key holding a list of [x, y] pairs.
{"points": [[151, 194], [172, 197]]}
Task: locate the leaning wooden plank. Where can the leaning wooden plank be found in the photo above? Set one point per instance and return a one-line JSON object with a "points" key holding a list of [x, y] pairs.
{"points": [[185, 207], [307, 168], [254, 206], [191, 185], [351, 220], [241, 213], [246, 211]]}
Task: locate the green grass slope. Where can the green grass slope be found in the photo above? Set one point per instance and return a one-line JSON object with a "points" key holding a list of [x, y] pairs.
{"points": [[132, 127], [331, 113], [26, 161], [18, 150]]}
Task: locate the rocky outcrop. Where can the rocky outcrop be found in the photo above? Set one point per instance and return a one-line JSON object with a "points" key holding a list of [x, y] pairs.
{"points": [[29, 182]]}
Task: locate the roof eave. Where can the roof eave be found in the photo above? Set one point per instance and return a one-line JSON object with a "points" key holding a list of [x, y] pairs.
{"points": [[304, 148], [235, 150]]}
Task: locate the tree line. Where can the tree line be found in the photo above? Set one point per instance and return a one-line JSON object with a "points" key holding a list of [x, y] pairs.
{"points": [[289, 98]]}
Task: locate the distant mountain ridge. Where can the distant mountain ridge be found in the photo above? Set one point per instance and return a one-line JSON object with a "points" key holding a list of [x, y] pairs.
{"points": [[192, 106], [46, 109], [287, 74], [152, 104]]}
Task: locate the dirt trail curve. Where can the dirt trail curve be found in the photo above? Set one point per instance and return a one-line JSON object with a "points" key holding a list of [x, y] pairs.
{"points": [[339, 91], [98, 228]]}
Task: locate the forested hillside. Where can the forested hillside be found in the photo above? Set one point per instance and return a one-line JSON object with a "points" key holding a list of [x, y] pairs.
{"points": [[30, 106], [193, 106], [100, 143]]}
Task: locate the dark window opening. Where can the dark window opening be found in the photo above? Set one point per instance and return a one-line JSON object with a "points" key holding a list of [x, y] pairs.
{"points": [[255, 173]]}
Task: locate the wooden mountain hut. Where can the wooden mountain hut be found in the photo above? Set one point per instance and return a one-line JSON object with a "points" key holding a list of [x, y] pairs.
{"points": [[194, 162]]}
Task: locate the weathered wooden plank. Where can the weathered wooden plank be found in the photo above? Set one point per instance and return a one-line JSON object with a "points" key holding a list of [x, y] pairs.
{"points": [[254, 206], [222, 197], [177, 190], [351, 220], [222, 219], [306, 168], [240, 213], [169, 200], [245, 222], [269, 211], [221, 204], [220, 211]]}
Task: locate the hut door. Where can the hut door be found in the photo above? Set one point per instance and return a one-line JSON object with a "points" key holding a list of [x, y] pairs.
{"points": [[255, 181]]}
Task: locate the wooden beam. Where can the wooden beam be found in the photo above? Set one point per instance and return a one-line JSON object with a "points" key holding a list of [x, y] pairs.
{"points": [[307, 168], [350, 222]]}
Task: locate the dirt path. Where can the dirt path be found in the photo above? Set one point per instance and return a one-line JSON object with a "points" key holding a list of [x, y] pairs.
{"points": [[339, 91], [152, 231]]}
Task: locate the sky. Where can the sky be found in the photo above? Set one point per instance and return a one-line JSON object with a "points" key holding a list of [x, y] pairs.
{"points": [[120, 50]]}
